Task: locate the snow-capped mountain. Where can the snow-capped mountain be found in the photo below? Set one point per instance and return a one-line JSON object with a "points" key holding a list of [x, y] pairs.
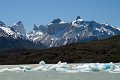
{"points": [[58, 32], [6, 31], [20, 28], [14, 37], [118, 28], [37, 33]]}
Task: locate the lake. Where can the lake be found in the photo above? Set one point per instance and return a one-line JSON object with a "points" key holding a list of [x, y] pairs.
{"points": [[37, 75]]}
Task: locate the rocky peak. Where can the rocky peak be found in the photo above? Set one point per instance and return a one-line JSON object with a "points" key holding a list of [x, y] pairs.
{"points": [[2, 24], [35, 28], [19, 22], [77, 21], [56, 20], [19, 27], [79, 18]]}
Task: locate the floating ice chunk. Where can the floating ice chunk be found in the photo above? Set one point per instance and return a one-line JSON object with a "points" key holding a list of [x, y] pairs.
{"points": [[41, 68], [25, 68], [62, 65], [94, 67], [108, 66], [59, 62], [82, 68], [42, 63], [46, 68], [117, 70], [11, 69], [3, 70], [53, 67], [61, 69], [71, 71], [28, 68], [59, 65], [100, 67], [15, 69]]}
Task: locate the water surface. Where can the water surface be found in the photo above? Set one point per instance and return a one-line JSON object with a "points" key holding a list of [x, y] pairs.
{"points": [[37, 75]]}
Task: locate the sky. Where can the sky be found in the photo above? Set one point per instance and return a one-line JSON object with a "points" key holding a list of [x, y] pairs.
{"points": [[38, 12]]}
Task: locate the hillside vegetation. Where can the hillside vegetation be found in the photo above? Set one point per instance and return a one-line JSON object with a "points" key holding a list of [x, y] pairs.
{"points": [[102, 51]]}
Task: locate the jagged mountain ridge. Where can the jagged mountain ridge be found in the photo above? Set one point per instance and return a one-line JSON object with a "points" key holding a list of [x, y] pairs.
{"points": [[6, 31], [12, 37], [58, 32]]}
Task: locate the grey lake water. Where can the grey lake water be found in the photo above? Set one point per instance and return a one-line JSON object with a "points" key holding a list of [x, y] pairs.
{"points": [[37, 75]]}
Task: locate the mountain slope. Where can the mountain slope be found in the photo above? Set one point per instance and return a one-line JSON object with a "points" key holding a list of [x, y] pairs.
{"points": [[58, 32], [9, 32], [9, 43], [103, 51]]}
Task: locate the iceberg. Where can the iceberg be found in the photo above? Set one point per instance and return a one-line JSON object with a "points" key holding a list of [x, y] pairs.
{"points": [[25, 68], [109, 66], [42, 63], [94, 67], [59, 66], [82, 68], [68, 68]]}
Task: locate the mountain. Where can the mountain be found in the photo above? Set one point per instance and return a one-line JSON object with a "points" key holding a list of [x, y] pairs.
{"points": [[103, 51], [8, 32], [10, 37], [19, 27], [59, 32], [55, 34]]}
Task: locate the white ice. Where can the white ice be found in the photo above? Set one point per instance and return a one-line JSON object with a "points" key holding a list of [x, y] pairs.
{"points": [[68, 68]]}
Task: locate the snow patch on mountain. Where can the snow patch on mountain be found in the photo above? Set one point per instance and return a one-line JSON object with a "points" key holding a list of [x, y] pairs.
{"points": [[118, 28], [34, 36], [77, 21], [7, 30]]}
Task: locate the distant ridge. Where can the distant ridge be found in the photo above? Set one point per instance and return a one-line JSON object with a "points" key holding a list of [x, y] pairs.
{"points": [[59, 32]]}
